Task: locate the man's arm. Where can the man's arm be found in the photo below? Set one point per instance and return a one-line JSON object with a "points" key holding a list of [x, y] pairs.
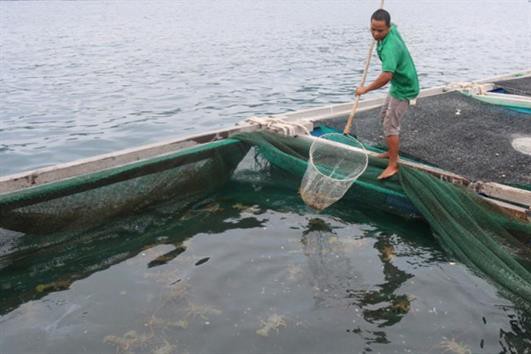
{"points": [[380, 81]]}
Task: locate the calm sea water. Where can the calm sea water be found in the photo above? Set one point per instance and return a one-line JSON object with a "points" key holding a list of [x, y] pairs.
{"points": [[80, 78], [250, 269]]}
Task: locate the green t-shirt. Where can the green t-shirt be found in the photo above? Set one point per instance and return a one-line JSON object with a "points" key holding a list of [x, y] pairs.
{"points": [[395, 58]]}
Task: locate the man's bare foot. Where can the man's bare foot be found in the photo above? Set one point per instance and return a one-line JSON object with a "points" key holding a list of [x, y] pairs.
{"points": [[384, 155], [390, 171]]}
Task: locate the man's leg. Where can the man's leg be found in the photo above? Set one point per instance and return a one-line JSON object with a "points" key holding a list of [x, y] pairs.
{"points": [[393, 145], [391, 124], [383, 113]]}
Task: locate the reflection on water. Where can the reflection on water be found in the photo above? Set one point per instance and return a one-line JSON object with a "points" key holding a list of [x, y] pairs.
{"points": [[392, 307], [245, 271], [335, 279], [44, 263]]}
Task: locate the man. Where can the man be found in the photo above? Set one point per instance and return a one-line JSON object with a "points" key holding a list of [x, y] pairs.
{"points": [[399, 69]]}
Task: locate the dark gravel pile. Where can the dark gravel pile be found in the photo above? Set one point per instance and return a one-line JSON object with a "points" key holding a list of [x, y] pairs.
{"points": [[459, 134], [516, 87]]}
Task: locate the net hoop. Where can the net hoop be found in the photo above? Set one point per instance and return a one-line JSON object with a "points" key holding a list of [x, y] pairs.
{"points": [[329, 139], [335, 163]]}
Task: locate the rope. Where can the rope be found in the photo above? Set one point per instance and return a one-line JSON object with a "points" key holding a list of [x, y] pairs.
{"points": [[483, 89], [469, 87], [281, 126], [348, 126]]}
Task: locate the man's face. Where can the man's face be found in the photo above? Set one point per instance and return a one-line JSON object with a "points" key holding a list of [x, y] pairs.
{"points": [[379, 29]]}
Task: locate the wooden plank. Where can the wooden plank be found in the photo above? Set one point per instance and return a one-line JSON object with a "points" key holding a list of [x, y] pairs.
{"points": [[503, 192], [105, 161], [342, 110], [511, 210], [504, 100], [437, 172]]}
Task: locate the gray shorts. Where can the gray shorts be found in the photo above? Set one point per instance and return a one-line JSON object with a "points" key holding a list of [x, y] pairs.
{"points": [[391, 114]]}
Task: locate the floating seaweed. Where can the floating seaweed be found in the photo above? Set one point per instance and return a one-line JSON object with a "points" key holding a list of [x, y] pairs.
{"points": [[132, 341], [166, 348], [401, 304], [346, 245], [274, 322], [129, 341], [56, 285], [159, 322], [202, 311], [182, 324], [247, 209], [294, 272], [177, 291], [452, 346], [388, 252], [211, 208]]}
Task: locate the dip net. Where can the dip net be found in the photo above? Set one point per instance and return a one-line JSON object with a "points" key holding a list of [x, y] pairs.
{"points": [[335, 163]]}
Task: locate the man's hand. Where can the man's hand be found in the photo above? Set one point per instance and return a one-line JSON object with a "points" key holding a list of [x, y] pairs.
{"points": [[361, 90], [380, 81]]}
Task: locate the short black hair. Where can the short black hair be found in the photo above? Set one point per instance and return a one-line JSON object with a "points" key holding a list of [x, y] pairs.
{"points": [[382, 15]]}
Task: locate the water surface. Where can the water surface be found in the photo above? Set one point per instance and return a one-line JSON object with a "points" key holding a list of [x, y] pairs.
{"points": [[81, 78], [249, 269]]}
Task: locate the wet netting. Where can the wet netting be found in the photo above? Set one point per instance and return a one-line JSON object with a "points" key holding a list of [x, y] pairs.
{"points": [[335, 163], [89, 199], [472, 232], [291, 155], [475, 234]]}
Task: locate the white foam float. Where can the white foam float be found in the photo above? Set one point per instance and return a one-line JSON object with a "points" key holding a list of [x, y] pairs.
{"points": [[522, 144]]}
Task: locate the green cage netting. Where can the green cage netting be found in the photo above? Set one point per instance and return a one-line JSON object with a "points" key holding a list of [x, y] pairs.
{"points": [[291, 155], [471, 231], [89, 199]]}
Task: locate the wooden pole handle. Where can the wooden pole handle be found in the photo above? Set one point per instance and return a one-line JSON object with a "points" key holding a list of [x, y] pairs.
{"points": [[348, 126]]}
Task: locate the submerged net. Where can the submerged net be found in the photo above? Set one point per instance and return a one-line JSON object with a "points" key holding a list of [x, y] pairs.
{"points": [[478, 236], [335, 162], [469, 231], [291, 155], [90, 199], [482, 238]]}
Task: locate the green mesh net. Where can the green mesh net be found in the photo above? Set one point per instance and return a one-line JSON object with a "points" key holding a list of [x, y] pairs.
{"points": [[291, 155], [86, 200], [467, 228], [470, 231]]}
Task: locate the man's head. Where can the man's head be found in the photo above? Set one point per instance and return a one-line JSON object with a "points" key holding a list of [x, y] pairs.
{"points": [[380, 24]]}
